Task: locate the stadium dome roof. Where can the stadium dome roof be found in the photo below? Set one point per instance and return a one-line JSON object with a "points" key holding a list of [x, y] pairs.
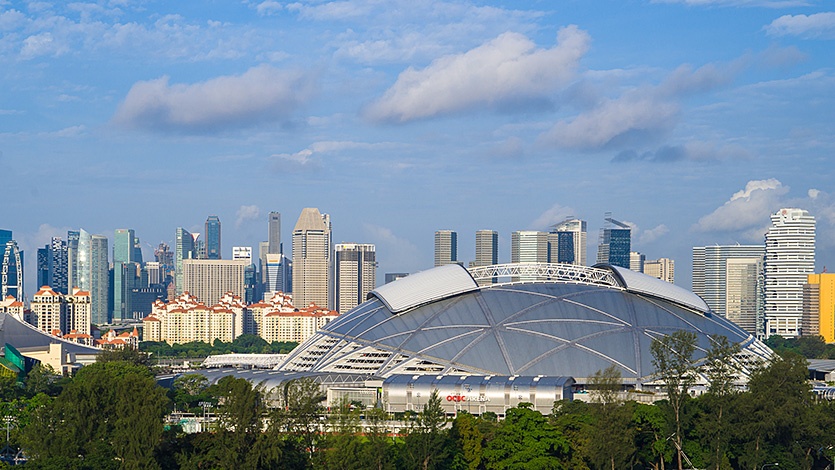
{"points": [[565, 320]]}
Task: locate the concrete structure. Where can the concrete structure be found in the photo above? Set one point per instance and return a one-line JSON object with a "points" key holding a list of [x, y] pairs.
{"points": [[312, 259], [210, 279], [661, 268], [789, 259], [355, 274], [446, 247], [819, 306], [729, 279]]}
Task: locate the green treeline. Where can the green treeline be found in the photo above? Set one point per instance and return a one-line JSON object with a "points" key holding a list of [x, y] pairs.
{"points": [[111, 415], [244, 344]]}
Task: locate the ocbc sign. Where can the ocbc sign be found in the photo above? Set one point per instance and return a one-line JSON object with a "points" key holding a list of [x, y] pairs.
{"points": [[460, 398]]}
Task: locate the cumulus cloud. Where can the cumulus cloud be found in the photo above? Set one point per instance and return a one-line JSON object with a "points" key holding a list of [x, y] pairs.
{"points": [[246, 213], [747, 209], [40, 45], [649, 236], [261, 94], [504, 72], [815, 26], [632, 117], [554, 215]]}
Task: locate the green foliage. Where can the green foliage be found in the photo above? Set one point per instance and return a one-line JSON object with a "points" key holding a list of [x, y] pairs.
{"points": [[526, 440], [244, 344], [427, 444], [134, 356]]}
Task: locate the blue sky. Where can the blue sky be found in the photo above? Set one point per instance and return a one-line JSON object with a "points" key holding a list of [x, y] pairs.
{"points": [[692, 120]]}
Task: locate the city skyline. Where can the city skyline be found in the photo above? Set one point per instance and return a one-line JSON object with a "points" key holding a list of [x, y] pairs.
{"points": [[691, 121]]}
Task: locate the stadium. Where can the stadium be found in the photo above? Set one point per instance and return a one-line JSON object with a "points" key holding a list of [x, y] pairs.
{"points": [[543, 329]]}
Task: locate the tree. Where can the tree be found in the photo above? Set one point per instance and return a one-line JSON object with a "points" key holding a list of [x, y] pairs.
{"points": [[134, 356], [720, 368], [469, 439], [672, 357], [427, 444], [297, 414], [612, 446], [526, 440]]}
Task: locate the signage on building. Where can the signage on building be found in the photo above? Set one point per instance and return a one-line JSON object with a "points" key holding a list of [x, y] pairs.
{"points": [[459, 398]]}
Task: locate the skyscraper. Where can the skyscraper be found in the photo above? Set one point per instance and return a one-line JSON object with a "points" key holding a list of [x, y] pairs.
{"points": [[528, 246], [183, 249], [72, 258], [486, 252], [728, 278], [99, 280], [636, 261], [124, 271], [274, 233], [576, 229], [446, 247], [43, 272], [615, 243], [311, 259], [213, 249], [59, 266], [789, 259], [355, 274]]}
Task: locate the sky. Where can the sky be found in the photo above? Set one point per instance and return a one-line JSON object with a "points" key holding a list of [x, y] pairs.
{"points": [[690, 120]]}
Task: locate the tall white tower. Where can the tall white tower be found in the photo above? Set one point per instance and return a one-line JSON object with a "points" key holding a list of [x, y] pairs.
{"points": [[355, 271], [789, 259]]}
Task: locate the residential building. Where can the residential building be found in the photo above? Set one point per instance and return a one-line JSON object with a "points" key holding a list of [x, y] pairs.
{"points": [[355, 274], [729, 279], [60, 315], [210, 279], [213, 247], [789, 259], [446, 247], [819, 306], [312, 259], [661, 268]]}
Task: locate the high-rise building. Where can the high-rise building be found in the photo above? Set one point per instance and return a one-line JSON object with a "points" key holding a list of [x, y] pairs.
{"points": [[99, 280], [5, 237], [213, 249], [59, 266], [277, 271], [528, 246], [355, 274], [789, 259], [124, 271], [210, 279], [576, 229], [312, 259], [72, 258], [446, 247], [43, 272], [615, 243], [661, 268], [274, 233], [486, 252], [819, 306], [12, 277], [636, 261], [391, 277], [183, 249], [729, 279]]}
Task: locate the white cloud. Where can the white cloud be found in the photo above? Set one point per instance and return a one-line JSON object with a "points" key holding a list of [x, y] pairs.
{"points": [[633, 116], [815, 26], [41, 44], [399, 251], [268, 7], [649, 236], [554, 215], [246, 213], [261, 94], [747, 209], [506, 71]]}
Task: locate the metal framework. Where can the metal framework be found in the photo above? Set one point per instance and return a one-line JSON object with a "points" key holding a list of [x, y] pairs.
{"points": [[548, 272], [13, 283], [258, 361]]}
